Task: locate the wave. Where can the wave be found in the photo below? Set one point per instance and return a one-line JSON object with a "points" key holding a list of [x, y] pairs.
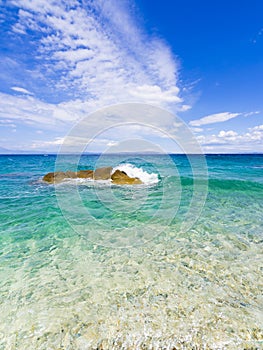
{"points": [[132, 171]]}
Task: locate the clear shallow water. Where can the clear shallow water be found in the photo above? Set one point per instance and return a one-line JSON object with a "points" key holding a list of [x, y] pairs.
{"points": [[124, 275]]}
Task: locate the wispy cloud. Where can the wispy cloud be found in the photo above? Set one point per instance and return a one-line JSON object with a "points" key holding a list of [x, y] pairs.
{"points": [[59, 117], [196, 130], [7, 123], [251, 113], [34, 112], [96, 51], [218, 118], [22, 90], [214, 118]]}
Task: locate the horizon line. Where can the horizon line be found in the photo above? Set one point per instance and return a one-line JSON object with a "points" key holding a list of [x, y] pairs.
{"points": [[26, 153]]}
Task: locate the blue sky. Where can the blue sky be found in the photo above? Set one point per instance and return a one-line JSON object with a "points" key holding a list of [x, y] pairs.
{"points": [[201, 60]]}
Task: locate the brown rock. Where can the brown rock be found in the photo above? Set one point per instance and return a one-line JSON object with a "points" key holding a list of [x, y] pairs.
{"points": [[121, 178], [59, 176], [55, 177], [71, 174], [118, 177], [85, 174], [102, 173]]}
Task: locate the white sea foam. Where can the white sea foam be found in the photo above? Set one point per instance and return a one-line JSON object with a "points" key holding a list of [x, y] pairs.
{"points": [[133, 171]]}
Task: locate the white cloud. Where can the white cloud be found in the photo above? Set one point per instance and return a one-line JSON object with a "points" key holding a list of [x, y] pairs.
{"points": [[22, 90], [53, 145], [195, 130], [31, 111], [50, 145], [251, 113], [7, 123], [153, 94], [227, 134], [214, 118], [94, 54], [97, 52], [80, 56], [227, 141], [184, 108], [257, 128], [112, 143], [59, 117]]}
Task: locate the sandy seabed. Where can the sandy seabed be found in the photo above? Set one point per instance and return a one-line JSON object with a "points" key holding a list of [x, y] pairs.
{"points": [[176, 292]]}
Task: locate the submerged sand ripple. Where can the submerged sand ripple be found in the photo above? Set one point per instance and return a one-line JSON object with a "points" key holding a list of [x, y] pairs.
{"points": [[177, 292]]}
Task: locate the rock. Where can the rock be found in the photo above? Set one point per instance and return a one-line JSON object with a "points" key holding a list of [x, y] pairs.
{"points": [[102, 173], [71, 174], [118, 177], [59, 176], [121, 178], [85, 174], [55, 177]]}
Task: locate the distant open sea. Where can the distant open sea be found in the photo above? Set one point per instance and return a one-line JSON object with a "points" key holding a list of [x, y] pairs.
{"points": [[119, 271]]}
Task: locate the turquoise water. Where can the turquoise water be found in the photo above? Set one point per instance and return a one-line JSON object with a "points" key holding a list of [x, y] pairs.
{"points": [[87, 265]]}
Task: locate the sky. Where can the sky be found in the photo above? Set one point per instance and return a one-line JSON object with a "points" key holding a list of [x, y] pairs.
{"points": [[200, 60]]}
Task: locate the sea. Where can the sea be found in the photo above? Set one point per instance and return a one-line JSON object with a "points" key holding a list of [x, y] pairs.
{"points": [[173, 263]]}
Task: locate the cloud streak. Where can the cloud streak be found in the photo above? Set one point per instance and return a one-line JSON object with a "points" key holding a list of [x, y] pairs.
{"points": [[214, 118], [21, 90]]}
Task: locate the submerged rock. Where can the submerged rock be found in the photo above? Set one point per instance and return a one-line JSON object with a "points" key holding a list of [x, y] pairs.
{"points": [[121, 178], [118, 177]]}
